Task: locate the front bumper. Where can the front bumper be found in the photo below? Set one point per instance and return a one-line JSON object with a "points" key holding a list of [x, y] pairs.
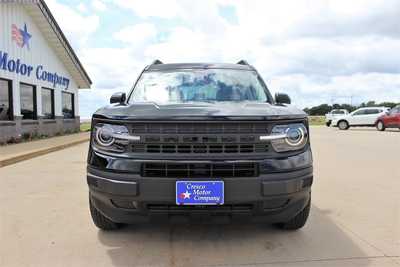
{"points": [[130, 198]]}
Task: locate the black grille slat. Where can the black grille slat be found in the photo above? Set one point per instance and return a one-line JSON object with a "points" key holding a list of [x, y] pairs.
{"points": [[247, 139], [200, 137], [231, 149], [153, 148], [171, 139], [246, 148], [199, 170], [199, 149], [209, 139], [261, 148], [184, 149], [152, 139], [229, 139], [215, 149], [190, 139], [168, 149], [138, 148]]}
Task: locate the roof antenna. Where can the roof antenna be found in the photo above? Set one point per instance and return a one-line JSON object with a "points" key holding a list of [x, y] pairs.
{"points": [[156, 62], [243, 62]]}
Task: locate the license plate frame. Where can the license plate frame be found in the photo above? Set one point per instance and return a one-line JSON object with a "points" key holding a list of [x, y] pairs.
{"points": [[199, 193]]}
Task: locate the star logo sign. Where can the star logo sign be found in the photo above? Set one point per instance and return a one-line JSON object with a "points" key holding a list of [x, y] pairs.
{"points": [[185, 195], [20, 36]]}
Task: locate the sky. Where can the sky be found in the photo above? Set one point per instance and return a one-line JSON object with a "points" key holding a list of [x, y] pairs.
{"points": [[321, 51]]}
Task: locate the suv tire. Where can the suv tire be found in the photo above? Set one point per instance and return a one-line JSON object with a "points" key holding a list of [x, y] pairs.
{"points": [[380, 126], [343, 125], [298, 221], [100, 220], [328, 123]]}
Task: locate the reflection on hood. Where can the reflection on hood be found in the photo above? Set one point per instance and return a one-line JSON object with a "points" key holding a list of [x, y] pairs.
{"points": [[200, 110]]}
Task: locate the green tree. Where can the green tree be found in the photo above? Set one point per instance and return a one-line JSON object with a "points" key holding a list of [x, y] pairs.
{"points": [[320, 110], [388, 104]]}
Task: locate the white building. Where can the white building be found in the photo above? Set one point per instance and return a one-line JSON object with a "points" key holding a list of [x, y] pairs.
{"points": [[40, 74]]}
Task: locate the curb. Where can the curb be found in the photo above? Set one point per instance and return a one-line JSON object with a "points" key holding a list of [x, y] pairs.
{"points": [[37, 153]]}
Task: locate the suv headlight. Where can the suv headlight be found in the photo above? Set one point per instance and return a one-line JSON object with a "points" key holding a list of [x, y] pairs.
{"points": [[288, 137], [112, 137]]}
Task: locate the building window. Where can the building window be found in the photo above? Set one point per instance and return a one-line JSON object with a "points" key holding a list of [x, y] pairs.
{"points": [[68, 105], [28, 101], [48, 103], [6, 111]]}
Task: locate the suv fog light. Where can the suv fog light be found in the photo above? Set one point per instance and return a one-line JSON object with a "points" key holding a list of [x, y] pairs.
{"points": [[124, 204]]}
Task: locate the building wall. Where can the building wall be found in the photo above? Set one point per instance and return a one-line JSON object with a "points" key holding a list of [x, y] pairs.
{"points": [[39, 54]]}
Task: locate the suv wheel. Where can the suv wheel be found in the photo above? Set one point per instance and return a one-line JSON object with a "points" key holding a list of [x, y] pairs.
{"points": [[298, 221], [380, 126], [343, 125], [100, 220], [328, 123]]}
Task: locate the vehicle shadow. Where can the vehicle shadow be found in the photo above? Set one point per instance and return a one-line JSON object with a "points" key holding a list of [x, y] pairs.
{"points": [[232, 244]]}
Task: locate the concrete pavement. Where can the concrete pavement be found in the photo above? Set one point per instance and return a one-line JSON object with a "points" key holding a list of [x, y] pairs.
{"points": [[355, 217], [11, 154]]}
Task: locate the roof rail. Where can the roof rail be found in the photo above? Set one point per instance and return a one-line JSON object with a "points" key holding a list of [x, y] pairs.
{"points": [[156, 62], [243, 62]]}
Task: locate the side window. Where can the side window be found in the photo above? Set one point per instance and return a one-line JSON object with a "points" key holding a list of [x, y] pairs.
{"points": [[28, 101], [68, 105], [360, 112], [5, 100], [395, 111], [48, 103], [373, 111]]}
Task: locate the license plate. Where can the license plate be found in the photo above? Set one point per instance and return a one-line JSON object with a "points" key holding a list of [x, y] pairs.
{"points": [[199, 192]]}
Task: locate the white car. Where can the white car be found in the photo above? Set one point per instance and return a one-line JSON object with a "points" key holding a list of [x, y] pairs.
{"points": [[333, 114], [360, 117]]}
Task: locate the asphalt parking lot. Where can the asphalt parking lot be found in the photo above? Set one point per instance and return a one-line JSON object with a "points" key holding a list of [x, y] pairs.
{"points": [[355, 217]]}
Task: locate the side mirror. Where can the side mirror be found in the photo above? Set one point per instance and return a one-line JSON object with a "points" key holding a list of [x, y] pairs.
{"points": [[282, 98], [118, 98]]}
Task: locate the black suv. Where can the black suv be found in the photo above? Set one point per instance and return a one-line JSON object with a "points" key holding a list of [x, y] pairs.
{"points": [[202, 143]]}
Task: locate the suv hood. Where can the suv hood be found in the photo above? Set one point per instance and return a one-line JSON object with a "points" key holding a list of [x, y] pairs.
{"points": [[200, 111]]}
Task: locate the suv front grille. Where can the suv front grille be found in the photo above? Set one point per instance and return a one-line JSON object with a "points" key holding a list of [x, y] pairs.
{"points": [[201, 138], [200, 170]]}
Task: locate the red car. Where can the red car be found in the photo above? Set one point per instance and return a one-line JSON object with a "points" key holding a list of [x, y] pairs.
{"points": [[389, 120]]}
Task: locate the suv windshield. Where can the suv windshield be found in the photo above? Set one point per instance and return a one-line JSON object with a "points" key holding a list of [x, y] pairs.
{"points": [[203, 85]]}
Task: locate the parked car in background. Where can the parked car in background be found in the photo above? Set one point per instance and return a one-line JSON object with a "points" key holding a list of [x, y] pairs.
{"points": [[389, 120], [334, 113], [360, 117]]}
